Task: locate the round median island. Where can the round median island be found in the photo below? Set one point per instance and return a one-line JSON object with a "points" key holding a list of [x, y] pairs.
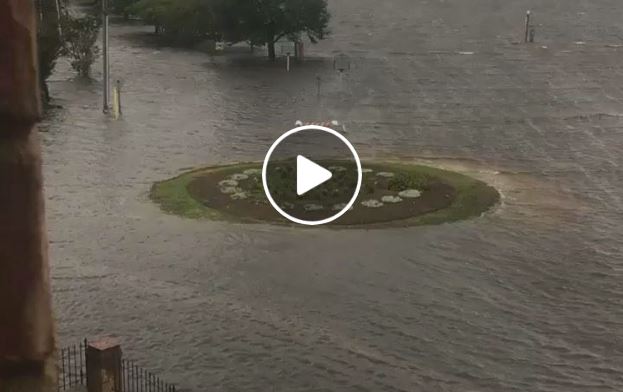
{"points": [[391, 194]]}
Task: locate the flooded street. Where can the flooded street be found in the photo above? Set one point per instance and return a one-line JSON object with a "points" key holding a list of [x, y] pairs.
{"points": [[526, 298]]}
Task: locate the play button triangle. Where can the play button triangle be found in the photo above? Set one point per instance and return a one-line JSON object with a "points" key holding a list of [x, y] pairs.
{"points": [[309, 175]]}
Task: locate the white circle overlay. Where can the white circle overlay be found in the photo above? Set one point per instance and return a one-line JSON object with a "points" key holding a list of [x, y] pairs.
{"points": [[348, 206]]}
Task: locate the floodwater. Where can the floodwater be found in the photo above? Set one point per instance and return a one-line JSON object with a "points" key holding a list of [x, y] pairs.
{"points": [[526, 298]]}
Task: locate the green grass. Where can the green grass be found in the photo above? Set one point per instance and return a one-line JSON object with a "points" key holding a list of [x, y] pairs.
{"points": [[172, 195], [473, 197]]}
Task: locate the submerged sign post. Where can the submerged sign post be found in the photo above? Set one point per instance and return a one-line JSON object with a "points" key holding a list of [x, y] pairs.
{"points": [[287, 48], [341, 63]]}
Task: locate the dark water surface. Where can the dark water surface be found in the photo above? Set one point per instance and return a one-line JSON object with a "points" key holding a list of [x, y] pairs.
{"points": [[527, 298]]}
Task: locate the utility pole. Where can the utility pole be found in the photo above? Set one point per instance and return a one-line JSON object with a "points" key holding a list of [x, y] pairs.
{"points": [[106, 63]]}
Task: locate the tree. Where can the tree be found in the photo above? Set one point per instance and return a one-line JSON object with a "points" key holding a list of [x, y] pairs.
{"points": [[184, 21], [260, 22], [80, 34], [121, 7], [267, 21]]}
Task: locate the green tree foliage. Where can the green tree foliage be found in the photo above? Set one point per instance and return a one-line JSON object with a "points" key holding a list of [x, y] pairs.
{"points": [[121, 7], [183, 21], [80, 34], [260, 22], [268, 21]]}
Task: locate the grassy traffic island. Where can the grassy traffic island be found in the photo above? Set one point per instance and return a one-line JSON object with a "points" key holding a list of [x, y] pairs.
{"points": [[391, 195]]}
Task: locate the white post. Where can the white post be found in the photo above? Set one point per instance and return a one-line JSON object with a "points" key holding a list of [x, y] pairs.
{"points": [[288, 62], [527, 25], [105, 65]]}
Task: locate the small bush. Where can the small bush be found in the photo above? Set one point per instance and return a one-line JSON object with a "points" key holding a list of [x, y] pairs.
{"points": [[80, 35], [403, 181]]}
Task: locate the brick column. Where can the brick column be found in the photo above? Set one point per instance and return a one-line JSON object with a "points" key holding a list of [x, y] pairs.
{"points": [[27, 340], [104, 365]]}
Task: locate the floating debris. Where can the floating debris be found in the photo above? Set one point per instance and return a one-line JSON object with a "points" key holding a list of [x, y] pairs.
{"points": [[466, 53], [313, 207], [365, 170], [580, 43], [410, 194], [239, 177], [385, 174], [391, 199], [372, 203], [228, 183]]}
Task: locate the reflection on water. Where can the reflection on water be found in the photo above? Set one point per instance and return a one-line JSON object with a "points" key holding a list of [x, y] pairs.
{"points": [[526, 298]]}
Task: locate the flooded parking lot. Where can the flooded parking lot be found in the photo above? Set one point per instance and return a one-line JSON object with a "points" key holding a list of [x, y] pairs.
{"points": [[527, 298]]}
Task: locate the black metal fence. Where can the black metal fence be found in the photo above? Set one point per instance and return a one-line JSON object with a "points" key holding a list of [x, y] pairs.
{"points": [[137, 379], [72, 373], [72, 369]]}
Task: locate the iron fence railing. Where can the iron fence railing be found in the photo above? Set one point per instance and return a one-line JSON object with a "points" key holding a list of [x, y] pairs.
{"points": [[72, 366], [72, 373], [136, 379]]}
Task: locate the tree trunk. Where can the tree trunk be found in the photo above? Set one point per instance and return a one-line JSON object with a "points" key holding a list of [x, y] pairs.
{"points": [[271, 50], [270, 41], [27, 339]]}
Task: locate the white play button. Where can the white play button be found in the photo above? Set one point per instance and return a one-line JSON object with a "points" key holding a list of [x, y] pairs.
{"points": [[309, 175], [288, 162]]}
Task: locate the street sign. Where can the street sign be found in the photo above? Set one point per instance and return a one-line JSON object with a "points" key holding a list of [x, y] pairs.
{"points": [[286, 48]]}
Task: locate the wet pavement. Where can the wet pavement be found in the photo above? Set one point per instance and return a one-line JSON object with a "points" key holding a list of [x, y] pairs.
{"points": [[527, 298]]}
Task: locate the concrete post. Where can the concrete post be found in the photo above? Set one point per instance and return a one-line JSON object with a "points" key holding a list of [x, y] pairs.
{"points": [[119, 97], [527, 26], [116, 100], [103, 360], [27, 340]]}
